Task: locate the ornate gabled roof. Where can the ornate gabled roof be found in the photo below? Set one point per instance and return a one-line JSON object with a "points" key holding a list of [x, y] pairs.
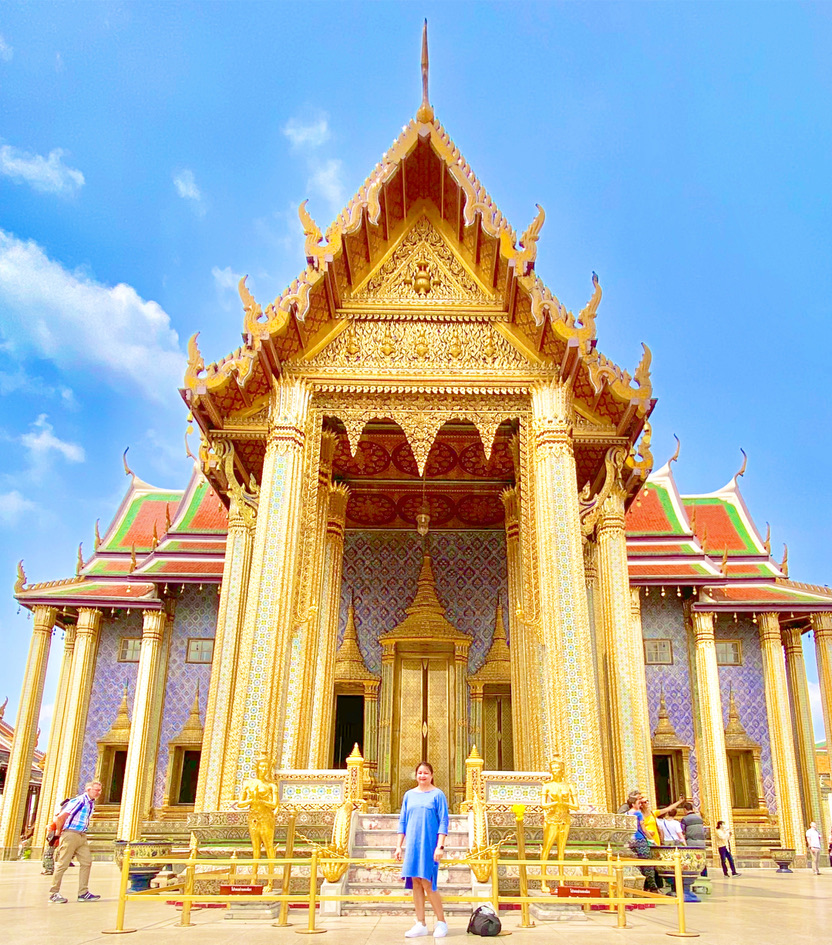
{"points": [[665, 735], [421, 233], [119, 732], [191, 732], [735, 733]]}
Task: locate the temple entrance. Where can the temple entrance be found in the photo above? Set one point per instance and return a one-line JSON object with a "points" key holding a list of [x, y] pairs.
{"points": [[421, 720], [349, 727], [497, 745], [742, 775]]}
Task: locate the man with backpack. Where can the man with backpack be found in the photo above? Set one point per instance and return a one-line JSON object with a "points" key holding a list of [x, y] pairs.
{"points": [[71, 827]]}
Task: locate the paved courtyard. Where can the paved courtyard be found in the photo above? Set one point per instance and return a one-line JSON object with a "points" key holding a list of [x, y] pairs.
{"points": [[759, 907]]}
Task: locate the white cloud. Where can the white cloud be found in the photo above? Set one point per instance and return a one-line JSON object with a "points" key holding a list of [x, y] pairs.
{"points": [[186, 187], [326, 182], [42, 441], [18, 380], [6, 51], [46, 174], [307, 136], [13, 505], [78, 323], [225, 282]]}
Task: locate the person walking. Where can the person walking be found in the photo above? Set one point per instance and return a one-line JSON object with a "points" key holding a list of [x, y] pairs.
{"points": [[423, 829], [640, 845], [71, 827], [723, 836], [813, 843]]}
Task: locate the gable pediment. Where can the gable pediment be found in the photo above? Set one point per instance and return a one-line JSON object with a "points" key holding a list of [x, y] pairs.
{"points": [[422, 270]]}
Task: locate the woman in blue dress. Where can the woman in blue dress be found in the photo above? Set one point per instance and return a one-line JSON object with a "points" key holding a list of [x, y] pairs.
{"points": [[423, 829]]}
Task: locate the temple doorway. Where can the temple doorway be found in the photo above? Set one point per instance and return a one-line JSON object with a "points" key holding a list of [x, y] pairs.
{"points": [[349, 727]]}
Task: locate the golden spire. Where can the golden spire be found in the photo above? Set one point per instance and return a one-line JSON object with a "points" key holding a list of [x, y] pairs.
{"points": [[79, 562], [497, 665], [784, 564], [3, 707], [97, 543], [127, 470], [349, 661], [675, 456], [193, 723], [425, 112], [119, 733], [426, 600], [20, 583]]}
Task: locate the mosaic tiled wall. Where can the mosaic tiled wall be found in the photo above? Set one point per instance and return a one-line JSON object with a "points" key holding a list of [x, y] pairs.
{"points": [[749, 692], [382, 569], [108, 683], [196, 616], [662, 618]]}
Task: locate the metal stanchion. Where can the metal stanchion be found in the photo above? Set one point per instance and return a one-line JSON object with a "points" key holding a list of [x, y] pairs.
{"points": [[122, 897], [519, 813], [619, 894], [680, 899], [285, 886], [610, 879], [585, 874], [313, 898]]}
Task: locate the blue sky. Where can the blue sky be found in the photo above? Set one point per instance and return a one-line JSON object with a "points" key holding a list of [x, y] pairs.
{"points": [[151, 153]]}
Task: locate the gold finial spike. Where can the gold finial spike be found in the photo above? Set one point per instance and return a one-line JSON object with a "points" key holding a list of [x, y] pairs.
{"points": [[3, 707], [784, 564], [20, 583], [767, 542], [79, 563], [154, 539], [425, 112], [127, 470], [167, 516], [725, 560], [474, 755], [132, 558], [188, 430], [97, 543], [744, 464], [675, 456]]}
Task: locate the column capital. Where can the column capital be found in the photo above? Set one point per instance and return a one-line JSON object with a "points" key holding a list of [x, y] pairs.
{"points": [[287, 415], [69, 637], [703, 626], [153, 624], [89, 620], [822, 625], [792, 638], [769, 627], [339, 496], [44, 618]]}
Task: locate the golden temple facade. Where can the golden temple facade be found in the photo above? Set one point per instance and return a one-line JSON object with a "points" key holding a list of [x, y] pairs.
{"points": [[416, 383]]}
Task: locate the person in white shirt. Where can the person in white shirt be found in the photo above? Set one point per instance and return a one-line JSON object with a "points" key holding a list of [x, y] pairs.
{"points": [[671, 831], [813, 843], [723, 834]]}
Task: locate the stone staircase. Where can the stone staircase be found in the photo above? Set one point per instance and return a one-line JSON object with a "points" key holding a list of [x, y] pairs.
{"points": [[375, 836]]}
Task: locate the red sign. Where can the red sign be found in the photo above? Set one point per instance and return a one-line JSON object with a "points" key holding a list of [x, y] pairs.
{"points": [[241, 890], [566, 892]]}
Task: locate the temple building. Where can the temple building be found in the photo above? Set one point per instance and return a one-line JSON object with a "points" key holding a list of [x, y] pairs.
{"points": [[423, 517]]}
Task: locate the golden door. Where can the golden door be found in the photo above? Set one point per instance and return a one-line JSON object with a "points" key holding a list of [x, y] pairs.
{"points": [[423, 712]]}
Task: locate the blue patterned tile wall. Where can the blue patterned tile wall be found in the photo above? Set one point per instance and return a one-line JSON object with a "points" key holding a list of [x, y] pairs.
{"points": [[108, 682], [196, 616], [749, 692], [382, 568], [663, 618]]}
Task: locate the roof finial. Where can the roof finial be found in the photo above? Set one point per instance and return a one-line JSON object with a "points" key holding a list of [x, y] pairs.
{"points": [[127, 470], [425, 113], [675, 456], [744, 464]]}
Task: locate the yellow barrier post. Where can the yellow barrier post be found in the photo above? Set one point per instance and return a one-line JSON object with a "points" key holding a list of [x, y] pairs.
{"points": [[286, 884], [680, 899], [495, 883], [610, 880], [585, 873], [190, 872], [232, 870], [122, 897], [519, 814], [313, 897], [619, 893]]}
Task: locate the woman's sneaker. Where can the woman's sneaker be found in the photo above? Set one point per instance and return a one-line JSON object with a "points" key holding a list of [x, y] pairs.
{"points": [[56, 897], [440, 930], [417, 931]]}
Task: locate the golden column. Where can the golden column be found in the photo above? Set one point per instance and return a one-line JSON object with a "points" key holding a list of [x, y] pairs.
{"points": [[308, 629], [270, 602], [813, 807], [324, 692], [525, 688], [25, 732], [786, 781], [822, 627], [236, 568], [596, 625], [624, 654], [475, 718], [144, 728], [371, 729], [385, 733], [57, 734], [77, 703], [573, 719], [711, 759], [461, 696]]}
